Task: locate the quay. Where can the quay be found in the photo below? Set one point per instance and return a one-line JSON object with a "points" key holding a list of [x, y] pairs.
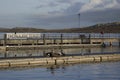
{"points": [[21, 41], [7, 63]]}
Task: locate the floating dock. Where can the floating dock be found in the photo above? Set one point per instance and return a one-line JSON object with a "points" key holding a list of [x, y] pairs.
{"points": [[6, 63]]}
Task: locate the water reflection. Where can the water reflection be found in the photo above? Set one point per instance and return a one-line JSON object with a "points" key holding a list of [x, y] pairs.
{"points": [[92, 71], [68, 52], [54, 68]]}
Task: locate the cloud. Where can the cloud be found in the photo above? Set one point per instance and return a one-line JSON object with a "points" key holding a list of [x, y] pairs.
{"points": [[73, 9], [109, 15], [100, 11], [97, 5], [97, 11], [57, 13], [60, 7]]}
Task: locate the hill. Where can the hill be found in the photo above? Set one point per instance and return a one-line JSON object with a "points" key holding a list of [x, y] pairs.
{"points": [[106, 28]]}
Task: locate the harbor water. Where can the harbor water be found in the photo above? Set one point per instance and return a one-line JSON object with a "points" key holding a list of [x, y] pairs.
{"points": [[83, 71], [91, 71], [68, 52]]}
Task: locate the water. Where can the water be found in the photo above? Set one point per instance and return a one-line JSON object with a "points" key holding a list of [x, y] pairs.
{"points": [[92, 71], [87, 71], [70, 51]]}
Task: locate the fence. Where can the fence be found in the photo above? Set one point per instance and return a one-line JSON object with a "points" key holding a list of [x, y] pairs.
{"points": [[56, 38]]}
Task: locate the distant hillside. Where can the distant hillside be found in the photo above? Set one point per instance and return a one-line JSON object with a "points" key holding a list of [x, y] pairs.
{"points": [[21, 29], [106, 28]]}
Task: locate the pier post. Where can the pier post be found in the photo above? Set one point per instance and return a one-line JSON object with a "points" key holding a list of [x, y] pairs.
{"points": [[119, 43], [5, 54], [37, 42], [110, 43], [5, 39], [82, 38], [44, 41], [61, 37], [89, 39], [54, 41]]}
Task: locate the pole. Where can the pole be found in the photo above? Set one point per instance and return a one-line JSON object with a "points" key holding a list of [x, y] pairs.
{"points": [[44, 41], [89, 38], [119, 43], [5, 39], [79, 19], [61, 38]]}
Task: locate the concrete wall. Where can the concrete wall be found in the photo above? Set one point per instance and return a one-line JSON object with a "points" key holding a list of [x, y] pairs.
{"points": [[5, 63]]}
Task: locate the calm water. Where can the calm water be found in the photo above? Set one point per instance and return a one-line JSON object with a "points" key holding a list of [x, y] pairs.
{"points": [[70, 51], [92, 71]]}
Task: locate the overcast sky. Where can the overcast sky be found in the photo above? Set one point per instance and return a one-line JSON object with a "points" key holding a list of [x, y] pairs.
{"points": [[57, 14]]}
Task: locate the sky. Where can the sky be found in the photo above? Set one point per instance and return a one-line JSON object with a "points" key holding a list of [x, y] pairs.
{"points": [[57, 14]]}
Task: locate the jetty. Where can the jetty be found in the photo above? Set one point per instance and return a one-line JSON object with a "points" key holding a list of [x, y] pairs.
{"points": [[14, 41], [46, 61]]}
